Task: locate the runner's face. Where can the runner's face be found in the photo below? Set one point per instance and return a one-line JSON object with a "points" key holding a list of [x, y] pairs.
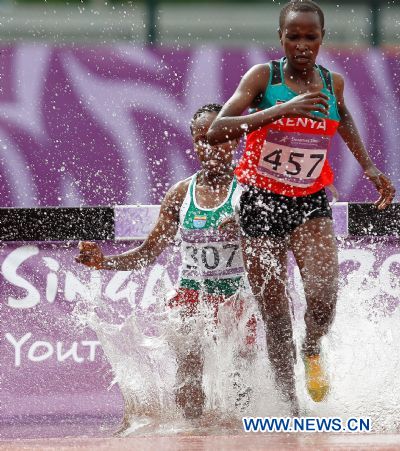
{"points": [[216, 159], [301, 37]]}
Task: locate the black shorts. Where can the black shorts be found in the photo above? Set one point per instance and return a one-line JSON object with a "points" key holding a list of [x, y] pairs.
{"points": [[263, 213]]}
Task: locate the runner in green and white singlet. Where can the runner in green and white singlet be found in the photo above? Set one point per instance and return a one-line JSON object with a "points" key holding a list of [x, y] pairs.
{"points": [[212, 266], [211, 257]]}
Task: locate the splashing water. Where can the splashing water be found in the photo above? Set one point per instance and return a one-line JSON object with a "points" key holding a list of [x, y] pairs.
{"points": [[360, 352], [143, 353]]}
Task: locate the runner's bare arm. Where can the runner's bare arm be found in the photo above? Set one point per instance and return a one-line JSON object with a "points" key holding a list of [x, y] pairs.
{"points": [[349, 132], [229, 123], [161, 236]]}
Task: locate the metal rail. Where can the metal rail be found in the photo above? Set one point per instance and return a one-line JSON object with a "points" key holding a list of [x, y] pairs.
{"points": [[153, 17]]}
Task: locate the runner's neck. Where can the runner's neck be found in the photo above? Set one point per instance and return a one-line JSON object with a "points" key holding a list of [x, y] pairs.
{"points": [[214, 181], [307, 78]]}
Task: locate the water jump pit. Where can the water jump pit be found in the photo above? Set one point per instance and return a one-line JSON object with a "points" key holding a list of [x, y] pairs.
{"points": [[76, 342]]}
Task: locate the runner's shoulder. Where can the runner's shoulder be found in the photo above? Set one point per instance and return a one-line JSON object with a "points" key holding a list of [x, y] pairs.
{"points": [[181, 187], [338, 83], [176, 194], [255, 82], [258, 74]]}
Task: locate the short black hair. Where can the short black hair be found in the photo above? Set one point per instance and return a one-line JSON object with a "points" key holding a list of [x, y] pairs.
{"points": [[209, 108], [301, 6]]}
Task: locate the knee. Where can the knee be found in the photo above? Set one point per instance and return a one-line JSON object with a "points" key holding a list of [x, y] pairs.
{"points": [[190, 364], [194, 359], [322, 289], [278, 326], [322, 313], [274, 303]]}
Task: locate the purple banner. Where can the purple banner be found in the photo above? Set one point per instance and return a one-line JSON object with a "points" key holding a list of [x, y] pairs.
{"points": [[110, 124], [50, 365]]}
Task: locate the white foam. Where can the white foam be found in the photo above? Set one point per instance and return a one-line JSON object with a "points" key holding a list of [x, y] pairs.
{"points": [[361, 354]]}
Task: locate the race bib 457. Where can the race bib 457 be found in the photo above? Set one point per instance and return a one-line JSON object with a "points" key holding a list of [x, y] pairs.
{"points": [[293, 158]]}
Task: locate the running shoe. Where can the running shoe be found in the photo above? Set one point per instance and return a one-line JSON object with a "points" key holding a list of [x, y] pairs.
{"points": [[316, 378]]}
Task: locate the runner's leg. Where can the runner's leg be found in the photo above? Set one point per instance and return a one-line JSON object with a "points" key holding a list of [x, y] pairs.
{"points": [[266, 265], [189, 393], [315, 250]]}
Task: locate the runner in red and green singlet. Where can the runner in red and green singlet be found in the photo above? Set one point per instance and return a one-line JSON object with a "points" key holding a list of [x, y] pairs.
{"points": [[296, 107]]}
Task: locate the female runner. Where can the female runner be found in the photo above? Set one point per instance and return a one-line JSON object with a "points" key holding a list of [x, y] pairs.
{"points": [[212, 265], [296, 106]]}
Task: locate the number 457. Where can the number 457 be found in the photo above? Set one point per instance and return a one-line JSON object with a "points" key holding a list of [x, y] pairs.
{"points": [[274, 158]]}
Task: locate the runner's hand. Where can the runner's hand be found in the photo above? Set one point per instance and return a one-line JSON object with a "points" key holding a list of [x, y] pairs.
{"points": [[228, 223], [90, 254], [305, 105], [384, 186], [229, 226]]}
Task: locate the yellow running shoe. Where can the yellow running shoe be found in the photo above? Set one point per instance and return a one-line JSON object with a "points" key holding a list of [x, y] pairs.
{"points": [[316, 378]]}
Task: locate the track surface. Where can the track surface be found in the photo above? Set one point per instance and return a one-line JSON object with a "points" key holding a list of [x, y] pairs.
{"points": [[198, 443]]}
